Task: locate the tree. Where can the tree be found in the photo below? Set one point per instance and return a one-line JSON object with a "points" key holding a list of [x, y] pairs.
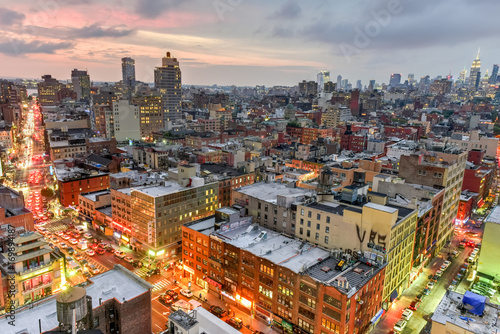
{"points": [[294, 124], [47, 192]]}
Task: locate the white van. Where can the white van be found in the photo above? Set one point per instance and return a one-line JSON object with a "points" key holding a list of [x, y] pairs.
{"points": [[80, 229]]}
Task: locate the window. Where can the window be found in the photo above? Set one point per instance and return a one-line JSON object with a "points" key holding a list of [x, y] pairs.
{"points": [[332, 301], [301, 221], [318, 216], [306, 313], [309, 214], [330, 325], [307, 300], [318, 226], [317, 236], [265, 292], [306, 326], [331, 313], [327, 229], [301, 231], [326, 239], [308, 289], [285, 291], [266, 269], [328, 219], [308, 223], [308, 233], [301, 212]]}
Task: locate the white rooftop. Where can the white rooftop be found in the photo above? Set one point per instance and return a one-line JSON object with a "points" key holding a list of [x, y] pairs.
{"points": [[494, 216], [448, 312], [269, 191], [118, 283], [275, 247], [381, 207], [93, 196]]}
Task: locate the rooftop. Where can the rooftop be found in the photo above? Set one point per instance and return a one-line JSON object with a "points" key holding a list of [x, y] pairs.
{"points": [[93, 195], [75, 173], [275, 247], [494, 216], [270, 191], [448, 312], [118, 283]]}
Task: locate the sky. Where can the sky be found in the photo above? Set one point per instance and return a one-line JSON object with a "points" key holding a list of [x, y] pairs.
{"points": [[248, 42]]}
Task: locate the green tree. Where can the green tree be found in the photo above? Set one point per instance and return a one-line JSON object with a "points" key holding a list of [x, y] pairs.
{"points": [[47, 192]]}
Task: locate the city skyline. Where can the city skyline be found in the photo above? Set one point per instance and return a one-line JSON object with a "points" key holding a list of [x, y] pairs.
{"points": [[246, 44]]}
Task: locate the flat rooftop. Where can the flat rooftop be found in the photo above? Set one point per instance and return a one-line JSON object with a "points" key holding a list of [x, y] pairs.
{"points": [[356, 276], [93, 196], [118, 283], [287, 252], [270, 191], [75, 173], [205, 226], [448, 312], [494, 216]]}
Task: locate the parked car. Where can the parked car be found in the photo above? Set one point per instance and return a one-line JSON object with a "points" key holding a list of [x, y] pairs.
{"points": [[128, 259], [87, 236], [71, 250], [218, 311], [78, 256], [137, 264], [152, 272], [426, 291], [434, 278], [93, 269], [235, 322], [63, 245], [100, 251], [407, 313], [414, 305], [430, 285], [186, 293], [400, 325]]}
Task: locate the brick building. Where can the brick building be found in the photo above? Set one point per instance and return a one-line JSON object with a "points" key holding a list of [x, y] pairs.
{"points": [[73, 181], [296, 286]]}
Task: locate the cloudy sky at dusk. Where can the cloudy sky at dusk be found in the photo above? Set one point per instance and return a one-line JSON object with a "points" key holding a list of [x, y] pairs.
{"points": [[247, 42]]}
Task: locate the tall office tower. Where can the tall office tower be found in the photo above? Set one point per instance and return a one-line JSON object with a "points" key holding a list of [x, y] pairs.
{"points": [[462, 78], [475, 73], [395, 79], [81, 84], [322, 78], [359, 86], [339, 82], [411, 79], [47, 90], [168, 81], [371, 85], [494, 74], [128, 74]]}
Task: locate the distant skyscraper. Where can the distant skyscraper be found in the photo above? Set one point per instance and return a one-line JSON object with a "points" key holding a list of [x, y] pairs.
{"points": [[395, 79], [494, 74], [81, 84], [168, 81], [371, 85], [128, 74], [462, 77], [339, 82], [359, 86], [475, 73], [322, 78]]}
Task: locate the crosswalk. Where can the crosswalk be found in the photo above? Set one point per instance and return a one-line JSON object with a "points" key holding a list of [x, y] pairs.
{"points": [[163, 284], [55, 228], [141, 272], [101, 267]]}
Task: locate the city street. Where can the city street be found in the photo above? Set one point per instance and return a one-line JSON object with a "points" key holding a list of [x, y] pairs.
{"points": [[421, 316]]}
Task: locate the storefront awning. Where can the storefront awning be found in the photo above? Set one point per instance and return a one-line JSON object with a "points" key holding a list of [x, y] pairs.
{"points": [[394, 294], [377, 316]]}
